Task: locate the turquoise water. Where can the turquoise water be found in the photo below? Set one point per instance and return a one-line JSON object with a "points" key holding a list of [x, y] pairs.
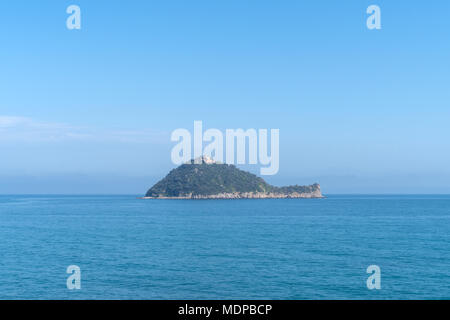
{"points": [[224, 249]]}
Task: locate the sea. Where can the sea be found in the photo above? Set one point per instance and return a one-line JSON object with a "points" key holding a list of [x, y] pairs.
{"points": [[129, 248]]}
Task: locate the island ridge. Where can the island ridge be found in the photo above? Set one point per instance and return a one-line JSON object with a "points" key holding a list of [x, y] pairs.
{"points": [[204, 178]]}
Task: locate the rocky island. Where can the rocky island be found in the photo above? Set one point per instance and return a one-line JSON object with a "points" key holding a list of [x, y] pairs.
{"points": [[205, 179]]}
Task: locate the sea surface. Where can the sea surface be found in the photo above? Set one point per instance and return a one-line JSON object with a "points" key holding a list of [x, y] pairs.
{"points": [[129, 248]]}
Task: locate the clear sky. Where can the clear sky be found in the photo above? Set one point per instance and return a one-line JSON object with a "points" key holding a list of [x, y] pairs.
{"points": [[91, 110]]}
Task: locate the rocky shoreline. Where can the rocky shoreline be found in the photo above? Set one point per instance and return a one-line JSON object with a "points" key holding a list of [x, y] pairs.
{"points": [[248, 195]]}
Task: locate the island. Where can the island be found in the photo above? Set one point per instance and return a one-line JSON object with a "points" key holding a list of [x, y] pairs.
{"points": [[206, 179]]}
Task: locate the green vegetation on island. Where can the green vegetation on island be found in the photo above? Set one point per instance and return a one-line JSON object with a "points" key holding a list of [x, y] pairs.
{"points": [[208, 179]]}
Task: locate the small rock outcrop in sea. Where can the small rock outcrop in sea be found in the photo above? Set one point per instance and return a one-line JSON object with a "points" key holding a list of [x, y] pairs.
{"points": [[203, 178]]}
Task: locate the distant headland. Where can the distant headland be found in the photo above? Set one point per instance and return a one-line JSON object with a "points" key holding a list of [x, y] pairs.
{"points": [[203, 178]]}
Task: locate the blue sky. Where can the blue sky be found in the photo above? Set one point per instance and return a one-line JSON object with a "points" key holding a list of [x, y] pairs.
{"points": [[91, 110]]}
